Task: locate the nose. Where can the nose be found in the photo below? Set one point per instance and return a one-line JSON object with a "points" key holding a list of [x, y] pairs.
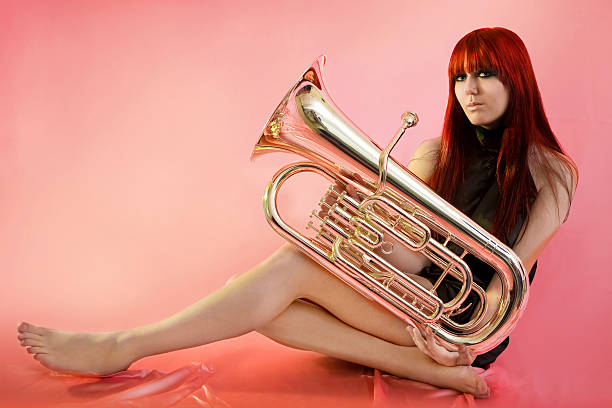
{"points": [[471, 85]]}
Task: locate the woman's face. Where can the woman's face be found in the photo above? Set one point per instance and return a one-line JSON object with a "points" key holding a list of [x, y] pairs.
{"points": [[483, 97]]}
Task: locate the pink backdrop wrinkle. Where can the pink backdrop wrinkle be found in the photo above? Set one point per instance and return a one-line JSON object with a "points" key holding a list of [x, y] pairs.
{"points": [[127, 192]]}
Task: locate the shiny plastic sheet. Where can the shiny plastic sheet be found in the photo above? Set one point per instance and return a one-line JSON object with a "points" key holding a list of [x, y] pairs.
{"points": [[183, 387], [258, 375]]}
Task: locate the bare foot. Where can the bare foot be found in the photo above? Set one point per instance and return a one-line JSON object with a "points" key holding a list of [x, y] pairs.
{"points": [[472, 383], [76, 353]]}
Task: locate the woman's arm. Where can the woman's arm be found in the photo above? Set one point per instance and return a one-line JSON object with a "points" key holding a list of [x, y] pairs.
{"points": [[548, 212], [422, 165]]}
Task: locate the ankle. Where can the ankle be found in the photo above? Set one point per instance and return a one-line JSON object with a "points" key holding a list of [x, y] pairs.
{"points": [[127, 345]]}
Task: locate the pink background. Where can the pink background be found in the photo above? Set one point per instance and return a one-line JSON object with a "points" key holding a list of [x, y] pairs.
{"points": [[126, 128]]}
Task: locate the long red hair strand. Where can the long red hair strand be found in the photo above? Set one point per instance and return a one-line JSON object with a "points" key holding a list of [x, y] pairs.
{"points": [[502, 52]]}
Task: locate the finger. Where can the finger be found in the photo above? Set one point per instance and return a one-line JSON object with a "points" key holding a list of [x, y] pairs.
{"points": [[433, 342], [450, 347], [421, 345], [437, 353], [418, 339], [423, 333], [423, 337], [446, 346], [418, 333], [429, 335], [410, 330], [464, 349], [427, 345], [465, 356], [471, 354]]}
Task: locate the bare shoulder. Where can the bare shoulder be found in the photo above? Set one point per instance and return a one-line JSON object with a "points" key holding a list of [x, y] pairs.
{"points": [[555, 177], [425, 158], [563, 171]]}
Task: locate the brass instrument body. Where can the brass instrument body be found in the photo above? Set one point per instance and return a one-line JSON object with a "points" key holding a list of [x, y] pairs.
{"points": [[391, 202]]}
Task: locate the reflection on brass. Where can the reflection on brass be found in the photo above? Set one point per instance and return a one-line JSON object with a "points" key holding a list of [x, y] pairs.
{"points": [[351, 231]]}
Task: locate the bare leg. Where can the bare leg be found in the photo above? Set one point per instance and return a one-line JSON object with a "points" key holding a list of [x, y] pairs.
{"points": [[230, 311], [307, 326], [250, 302]]}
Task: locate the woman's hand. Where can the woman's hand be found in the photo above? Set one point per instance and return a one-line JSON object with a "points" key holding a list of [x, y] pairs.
{"points": [[448, 355]]}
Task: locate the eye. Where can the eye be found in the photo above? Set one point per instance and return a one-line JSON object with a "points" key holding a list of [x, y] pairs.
{"points": [[485, 74], [460, 78]]}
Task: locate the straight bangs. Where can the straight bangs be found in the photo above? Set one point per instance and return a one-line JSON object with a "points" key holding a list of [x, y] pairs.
{"points": [[501, 52], [474, 54]]}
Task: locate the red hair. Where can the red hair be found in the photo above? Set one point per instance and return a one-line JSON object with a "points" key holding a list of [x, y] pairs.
{"points": [[503, 53]]}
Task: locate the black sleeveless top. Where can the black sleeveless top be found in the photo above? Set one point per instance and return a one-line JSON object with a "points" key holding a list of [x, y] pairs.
{"points": [[477, 197]]}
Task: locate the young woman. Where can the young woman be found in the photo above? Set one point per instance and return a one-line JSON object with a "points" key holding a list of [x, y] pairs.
{"points": [[497, 160]]}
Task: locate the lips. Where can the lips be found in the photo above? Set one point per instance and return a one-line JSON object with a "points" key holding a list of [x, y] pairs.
{"points": [[473, 106]]}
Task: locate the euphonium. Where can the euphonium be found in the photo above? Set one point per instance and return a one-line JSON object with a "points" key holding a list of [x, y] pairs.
{"points": [[349, 235]]}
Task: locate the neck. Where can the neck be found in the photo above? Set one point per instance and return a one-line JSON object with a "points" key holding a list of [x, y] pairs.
{"points": [[487, 131], [490, 139]]}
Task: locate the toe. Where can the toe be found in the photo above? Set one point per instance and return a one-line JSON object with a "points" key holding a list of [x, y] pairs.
{"points": [[28, 335], [44, 360], [25, 327], [36, 350], [31, 342], [482, 389]]}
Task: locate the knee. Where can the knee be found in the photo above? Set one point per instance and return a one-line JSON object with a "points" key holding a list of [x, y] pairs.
{"points": [[288, 251], [288, 257], [292, 266]]}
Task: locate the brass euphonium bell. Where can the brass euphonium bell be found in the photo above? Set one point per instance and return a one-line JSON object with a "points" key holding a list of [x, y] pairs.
{"points": [[390, 202]]}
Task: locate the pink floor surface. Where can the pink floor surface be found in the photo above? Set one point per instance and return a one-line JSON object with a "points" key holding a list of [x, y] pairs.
{"points": [[247, 372]]}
